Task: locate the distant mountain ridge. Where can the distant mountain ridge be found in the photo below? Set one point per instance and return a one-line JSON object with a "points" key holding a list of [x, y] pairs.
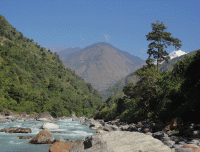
{"points": [[63, 51], [102, 64]]}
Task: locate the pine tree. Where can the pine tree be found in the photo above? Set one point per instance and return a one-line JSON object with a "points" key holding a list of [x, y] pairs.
{"points": [[161, 39]]}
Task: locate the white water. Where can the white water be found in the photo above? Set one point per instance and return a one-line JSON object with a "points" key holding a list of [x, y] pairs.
{"points": [[68, 130]]}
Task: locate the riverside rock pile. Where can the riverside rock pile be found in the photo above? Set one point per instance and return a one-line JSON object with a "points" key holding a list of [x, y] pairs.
{"points": [[115, 135], [114, 130]]}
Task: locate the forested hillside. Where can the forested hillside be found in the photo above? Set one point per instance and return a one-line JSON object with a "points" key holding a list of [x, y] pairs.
{"points": [[33, 79], [159, 96], [116, 89]]}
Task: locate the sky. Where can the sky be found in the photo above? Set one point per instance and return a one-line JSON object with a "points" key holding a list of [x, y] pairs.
{"points": [[122, 23]]}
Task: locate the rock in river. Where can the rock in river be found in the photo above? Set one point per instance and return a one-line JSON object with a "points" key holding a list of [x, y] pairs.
{"points": [[50, 126], [43, 137], [16, 130]]}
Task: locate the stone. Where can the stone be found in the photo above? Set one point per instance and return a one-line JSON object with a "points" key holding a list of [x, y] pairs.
{"points": [[45, 116], [58, 140], [95, 126], [169, 143], [107, 128], [177, 146], [145, 130], [184, 150], [124, 128], [43, 137], [196, 133], [84, 124], [25, 137], [191, 146], [50, 126], [44, 119], [165, 139], [16, 130], [182, 143], [158, 135], [101, 131], [6, 112], [61, 147], [194, 142], [119, 141], [148, 133]]}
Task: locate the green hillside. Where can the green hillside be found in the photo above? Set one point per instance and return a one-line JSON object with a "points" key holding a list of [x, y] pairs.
{"points": [[159, 96], [33, 79], [116, 89]]}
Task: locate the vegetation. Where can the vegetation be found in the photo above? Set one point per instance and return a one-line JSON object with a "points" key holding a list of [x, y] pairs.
{"points": [[159, 96], [33, 79], [161, 40]]}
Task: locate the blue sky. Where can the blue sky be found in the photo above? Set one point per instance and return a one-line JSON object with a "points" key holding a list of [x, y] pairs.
{"points": [[122, 23]]}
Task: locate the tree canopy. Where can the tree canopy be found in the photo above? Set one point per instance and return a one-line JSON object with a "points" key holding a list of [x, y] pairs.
{"points": [[33, 79], [161, 39]]}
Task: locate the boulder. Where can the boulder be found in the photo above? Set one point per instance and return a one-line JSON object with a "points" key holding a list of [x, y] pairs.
{"points": [[43, 137], [50, 126], [45, 116], [110, 128], [101, 131], [16, 130], [6, 112], [61, 147], [95, 125], [119, 141]]}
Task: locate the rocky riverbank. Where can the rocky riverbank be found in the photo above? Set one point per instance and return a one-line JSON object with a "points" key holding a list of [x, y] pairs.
{"points": [[114, 135], [141, 136]]}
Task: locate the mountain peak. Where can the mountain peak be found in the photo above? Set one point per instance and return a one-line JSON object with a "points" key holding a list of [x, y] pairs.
{"points": [[175, 54], [172, 55]]}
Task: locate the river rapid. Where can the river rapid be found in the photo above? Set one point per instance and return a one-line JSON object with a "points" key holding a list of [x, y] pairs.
{"points": [[69, 130]]}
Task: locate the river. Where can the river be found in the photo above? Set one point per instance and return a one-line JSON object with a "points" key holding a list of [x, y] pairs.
{"points": [[9, 142]]}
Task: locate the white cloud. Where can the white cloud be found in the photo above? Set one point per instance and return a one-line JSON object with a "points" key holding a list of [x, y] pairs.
{"points": [[107, 37]]}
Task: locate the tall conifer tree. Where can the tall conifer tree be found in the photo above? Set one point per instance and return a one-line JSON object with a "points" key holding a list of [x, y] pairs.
{"points": [[161, 39]]}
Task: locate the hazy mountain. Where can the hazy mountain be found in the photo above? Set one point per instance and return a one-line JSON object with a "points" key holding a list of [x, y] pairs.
{"points": [[56, 49], [101, 64], [63, 51], [63, 54]]}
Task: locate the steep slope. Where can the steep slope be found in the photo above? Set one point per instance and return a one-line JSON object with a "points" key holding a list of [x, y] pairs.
{"points": [[35, 80], [64, 53], [101, 64]]}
